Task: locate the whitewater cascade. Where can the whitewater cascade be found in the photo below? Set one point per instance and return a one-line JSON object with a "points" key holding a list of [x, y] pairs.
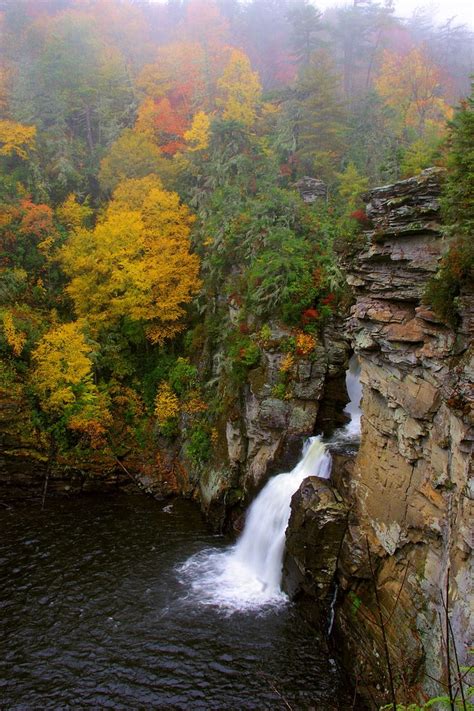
{"points": [[248, 574]]}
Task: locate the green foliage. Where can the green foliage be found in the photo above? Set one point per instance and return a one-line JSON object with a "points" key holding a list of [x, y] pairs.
{"points": [[458, 195], [456, 272], [199, 446], [351, 186], [183, 376], [319, 118], [243, 353]]}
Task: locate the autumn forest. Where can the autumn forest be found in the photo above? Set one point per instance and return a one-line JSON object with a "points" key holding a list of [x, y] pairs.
{"points": [[150, 156]]}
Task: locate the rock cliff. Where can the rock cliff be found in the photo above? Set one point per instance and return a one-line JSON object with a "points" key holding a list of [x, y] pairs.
{"points": [[262, 433], [410, 487]]}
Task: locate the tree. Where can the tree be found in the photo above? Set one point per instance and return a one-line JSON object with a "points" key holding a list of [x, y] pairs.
{"points": [[319, 117], [62, 380], [305, 21], [16, 139], [135, 265], [410, 84], [197, 138], [239, 90], [351, 186], [458, 194], [132, 155]]}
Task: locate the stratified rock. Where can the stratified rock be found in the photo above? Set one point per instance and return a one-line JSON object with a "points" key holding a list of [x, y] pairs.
{"points": [[410, 486], [311, 189]]}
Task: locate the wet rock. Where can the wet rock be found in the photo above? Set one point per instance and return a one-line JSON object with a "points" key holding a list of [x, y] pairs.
{"points": [[313, 540]]}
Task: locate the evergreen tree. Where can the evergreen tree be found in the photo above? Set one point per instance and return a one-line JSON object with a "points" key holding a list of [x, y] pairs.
{"points": [[320, 117]]}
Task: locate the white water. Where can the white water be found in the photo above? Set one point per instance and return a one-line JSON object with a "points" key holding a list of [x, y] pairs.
{"points": [[354, 390], [248, 575]]}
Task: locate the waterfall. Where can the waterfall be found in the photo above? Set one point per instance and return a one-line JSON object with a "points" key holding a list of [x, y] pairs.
{"points": [[248, 574], [354, 390]]}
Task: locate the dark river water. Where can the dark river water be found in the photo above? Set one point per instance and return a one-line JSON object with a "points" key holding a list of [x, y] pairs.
{"points": [[95, 614]]}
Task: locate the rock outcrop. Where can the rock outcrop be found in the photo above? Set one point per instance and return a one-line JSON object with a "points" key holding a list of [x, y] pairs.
{"points": [[262, 433], [409, 489]]}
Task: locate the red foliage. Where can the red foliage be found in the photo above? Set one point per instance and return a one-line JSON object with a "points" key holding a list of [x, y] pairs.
{"points": [[328, 300], [309, 315], [361, 217], [37, 220], [244, 328]]}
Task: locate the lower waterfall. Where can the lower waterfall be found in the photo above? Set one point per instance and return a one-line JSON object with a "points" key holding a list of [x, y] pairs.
{"points": [[248, 575]]}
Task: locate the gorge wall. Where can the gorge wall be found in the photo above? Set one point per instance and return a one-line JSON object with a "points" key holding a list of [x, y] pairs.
{"points": [[408, 492]]}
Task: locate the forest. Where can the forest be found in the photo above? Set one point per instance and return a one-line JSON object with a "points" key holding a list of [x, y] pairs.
{"points": [[222, 224], [149, 158]]}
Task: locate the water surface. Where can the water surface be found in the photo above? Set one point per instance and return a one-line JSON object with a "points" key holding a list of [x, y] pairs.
{"points": [[96, 614]]}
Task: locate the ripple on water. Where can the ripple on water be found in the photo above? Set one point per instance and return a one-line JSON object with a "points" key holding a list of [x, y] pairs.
{"points": [[101, 611]]}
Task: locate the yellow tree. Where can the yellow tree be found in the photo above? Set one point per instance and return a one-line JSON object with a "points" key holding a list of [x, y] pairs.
{"points": [[61, 366], [62, 379], [197, 138], [136, 263], [72, 214], [16, 139], [410, 84], [239, 90]]}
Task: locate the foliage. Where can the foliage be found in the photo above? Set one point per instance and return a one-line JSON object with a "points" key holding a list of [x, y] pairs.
{"points": [[15, 338], [182, 377], [197, 137], [72, 214], [409, 83], [319, 117], [199, 446], [62, 367], [16, 139], [132, 155], [351, 186], [239, 90], [136, 263], [458, 194], [167, 407], [456, 270]]}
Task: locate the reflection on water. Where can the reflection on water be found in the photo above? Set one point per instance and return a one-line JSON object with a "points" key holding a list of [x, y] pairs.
{"points": [[95, 616]]}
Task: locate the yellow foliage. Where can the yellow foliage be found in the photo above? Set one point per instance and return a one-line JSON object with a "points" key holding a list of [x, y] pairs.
{"points": [[305, 343], [131, 194], [16, 139], [136, 262], [166, 404], [72, 214], [15, 339], [61, 364], [410, 84], [287, 363], [146, 115], [197, 137], [239, 90]]}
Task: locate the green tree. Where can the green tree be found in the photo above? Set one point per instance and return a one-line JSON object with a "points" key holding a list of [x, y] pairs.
{"points": [[305, 22], [320, 117]]}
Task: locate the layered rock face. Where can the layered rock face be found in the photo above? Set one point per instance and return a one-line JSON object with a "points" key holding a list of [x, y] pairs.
{"points": [[402, 532], [412, 505], [262, 434]]}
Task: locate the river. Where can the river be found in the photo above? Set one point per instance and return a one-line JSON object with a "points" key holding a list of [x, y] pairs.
{"points": [[96, 613]]}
